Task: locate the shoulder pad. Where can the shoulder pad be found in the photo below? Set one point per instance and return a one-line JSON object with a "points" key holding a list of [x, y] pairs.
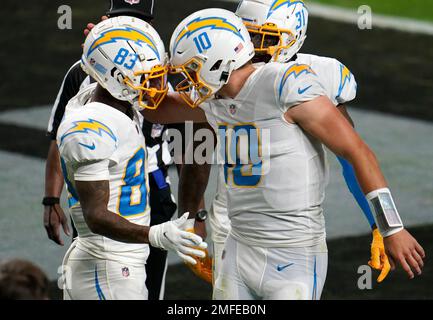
{"points": [[86, 140]]}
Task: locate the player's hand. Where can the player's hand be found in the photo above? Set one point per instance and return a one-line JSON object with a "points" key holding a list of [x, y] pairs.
{"points": [[54, 217], [90, 26], [171, 236], [203, 266], [379, 259], [402, 248]]}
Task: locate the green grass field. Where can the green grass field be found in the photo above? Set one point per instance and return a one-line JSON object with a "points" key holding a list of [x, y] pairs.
{"points": [[416, 9]]}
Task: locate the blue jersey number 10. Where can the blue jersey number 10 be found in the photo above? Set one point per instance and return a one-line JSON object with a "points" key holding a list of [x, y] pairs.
{"points": [[243, 169]]}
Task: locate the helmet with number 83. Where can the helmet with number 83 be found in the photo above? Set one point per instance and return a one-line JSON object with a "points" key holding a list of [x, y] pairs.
{"points": [[126, 56], [277, 27], [205, 48]]}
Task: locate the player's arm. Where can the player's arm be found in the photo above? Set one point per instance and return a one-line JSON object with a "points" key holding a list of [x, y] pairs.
{"points": [[320, 118], [174, 110], [350, 177], [54, 217], [345, 89], [94, 197], [193, 181], [378, 258]]}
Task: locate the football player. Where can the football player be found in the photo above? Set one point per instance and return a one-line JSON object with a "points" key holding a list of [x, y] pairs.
{"points": [[272, 122], [161, 200], [104, 162], [278, 31]]}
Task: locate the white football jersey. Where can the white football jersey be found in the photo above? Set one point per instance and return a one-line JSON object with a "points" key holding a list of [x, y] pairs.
{"points": [[98, 143], [275, 174], [339, 83], [340, 87]]}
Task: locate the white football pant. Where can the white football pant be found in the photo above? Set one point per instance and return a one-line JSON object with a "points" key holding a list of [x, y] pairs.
{"points": [[254, 273], [218, 248], [88, 278]]}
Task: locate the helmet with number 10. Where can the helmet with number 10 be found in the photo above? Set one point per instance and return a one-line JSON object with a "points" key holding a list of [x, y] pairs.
{"points": [[206, 48], [277, 27], [126, 56]]}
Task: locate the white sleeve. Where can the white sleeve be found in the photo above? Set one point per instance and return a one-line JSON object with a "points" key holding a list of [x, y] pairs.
{"points": [[296, 85], [86, 147], [96, 171], [346, 85], [88, 152]]}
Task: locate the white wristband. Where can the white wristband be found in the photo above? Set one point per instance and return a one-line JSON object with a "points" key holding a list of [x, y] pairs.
{"points": [[386, 215], [153, 236]]}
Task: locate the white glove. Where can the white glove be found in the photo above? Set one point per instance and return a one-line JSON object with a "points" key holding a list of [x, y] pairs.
{"points": [[170, 236]]}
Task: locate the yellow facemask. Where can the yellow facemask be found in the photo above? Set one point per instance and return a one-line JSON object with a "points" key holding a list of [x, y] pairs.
{"points": [[268, 33], [153, 88], [192, 89]]}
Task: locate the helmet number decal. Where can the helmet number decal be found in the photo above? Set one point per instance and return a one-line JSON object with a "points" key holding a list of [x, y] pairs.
{"points": [[121, 57], [202, 42], [301, 19]]}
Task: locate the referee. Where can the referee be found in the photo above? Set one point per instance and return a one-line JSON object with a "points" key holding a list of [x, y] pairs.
{"points": [[161, 200]]}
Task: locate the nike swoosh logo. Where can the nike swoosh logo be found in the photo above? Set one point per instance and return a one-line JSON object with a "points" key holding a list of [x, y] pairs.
{"points": [[165, 235], [301, 91], [92, 147], [281, 268]]}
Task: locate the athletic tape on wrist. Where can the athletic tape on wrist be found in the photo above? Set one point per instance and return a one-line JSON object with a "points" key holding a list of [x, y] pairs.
{"points": [[385, 212]]}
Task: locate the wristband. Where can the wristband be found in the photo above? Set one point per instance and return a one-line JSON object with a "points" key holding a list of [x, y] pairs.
{"points": [[388, 220], [50, 201], [201, 215]]}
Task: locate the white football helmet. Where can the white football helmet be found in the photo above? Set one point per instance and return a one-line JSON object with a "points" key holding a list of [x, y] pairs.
{"points": [[205, 48], [126, 56], [277, 27]]}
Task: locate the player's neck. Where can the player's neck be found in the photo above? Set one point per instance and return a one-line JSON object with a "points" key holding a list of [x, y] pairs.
{"points": [[103, 96], [237, 81]]}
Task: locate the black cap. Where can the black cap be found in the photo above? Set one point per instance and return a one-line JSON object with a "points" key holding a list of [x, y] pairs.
{"points": [[142, 9]]}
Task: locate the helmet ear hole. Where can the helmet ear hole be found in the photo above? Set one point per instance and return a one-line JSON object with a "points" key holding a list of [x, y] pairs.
{"points": [[224, 76], [216, 66]]}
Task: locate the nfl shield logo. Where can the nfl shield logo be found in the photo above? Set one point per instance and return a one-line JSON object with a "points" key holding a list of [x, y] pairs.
{"points": [[232, 109], [125, 272], [131, 2]]}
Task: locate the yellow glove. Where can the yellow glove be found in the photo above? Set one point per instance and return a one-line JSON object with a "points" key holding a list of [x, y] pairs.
{"points": [[203, 267], [379, 259]]}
